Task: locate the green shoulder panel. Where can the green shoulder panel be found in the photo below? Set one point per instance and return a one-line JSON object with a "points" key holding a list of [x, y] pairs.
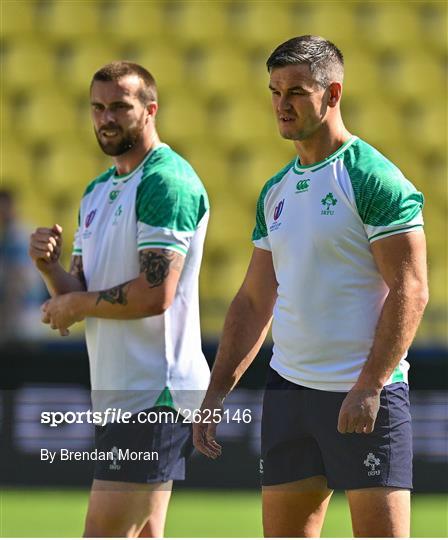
{"points": [[170, 193], [103, 177], [260, 230], [383, 195]]}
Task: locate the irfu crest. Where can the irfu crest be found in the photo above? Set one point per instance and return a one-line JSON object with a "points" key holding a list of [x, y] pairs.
{"points": [[328, 201]]}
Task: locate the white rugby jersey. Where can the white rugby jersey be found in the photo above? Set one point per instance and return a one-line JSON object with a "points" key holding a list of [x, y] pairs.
{"points": [[318, 221], [160, 204]]}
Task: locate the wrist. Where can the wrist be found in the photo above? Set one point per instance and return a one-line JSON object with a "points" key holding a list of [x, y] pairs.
{"points": [[78, 305], [49, 269], [369, 383]]}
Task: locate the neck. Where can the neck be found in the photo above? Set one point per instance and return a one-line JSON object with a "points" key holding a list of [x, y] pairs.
{"points": [[321, 144], [131, 159]]}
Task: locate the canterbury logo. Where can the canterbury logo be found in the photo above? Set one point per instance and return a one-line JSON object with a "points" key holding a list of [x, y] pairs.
{"points": [[302, 185]]}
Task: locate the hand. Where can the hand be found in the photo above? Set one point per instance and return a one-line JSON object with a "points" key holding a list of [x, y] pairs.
{"points": [[359, 410], [45, 247], [204, 432], [61, 312]]}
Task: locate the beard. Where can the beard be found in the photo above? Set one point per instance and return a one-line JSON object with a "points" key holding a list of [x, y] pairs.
{"points": [[121, 144]]}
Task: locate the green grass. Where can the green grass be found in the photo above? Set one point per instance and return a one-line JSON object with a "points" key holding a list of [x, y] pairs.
{"points": [[46, 513]]}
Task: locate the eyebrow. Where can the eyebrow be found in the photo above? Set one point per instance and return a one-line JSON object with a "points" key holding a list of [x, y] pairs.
{"points": [[289, 89], [113, 103]]}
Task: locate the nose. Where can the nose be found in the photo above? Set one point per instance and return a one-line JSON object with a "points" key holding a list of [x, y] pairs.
{"points": [[108, 117], [283, 104]]}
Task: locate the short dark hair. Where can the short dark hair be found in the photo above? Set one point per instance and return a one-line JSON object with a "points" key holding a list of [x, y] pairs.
{"points": [[324, 59], [119, 69]]}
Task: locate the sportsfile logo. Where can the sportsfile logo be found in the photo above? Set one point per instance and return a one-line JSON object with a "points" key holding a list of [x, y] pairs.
{"points": [[372, 462]]}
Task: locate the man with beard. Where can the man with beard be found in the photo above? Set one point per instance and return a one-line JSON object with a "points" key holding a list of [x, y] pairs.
{"points": [[134, 279]]}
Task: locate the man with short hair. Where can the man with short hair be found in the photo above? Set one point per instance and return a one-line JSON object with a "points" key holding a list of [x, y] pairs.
{"points": [[134, 279], [339, 265]]}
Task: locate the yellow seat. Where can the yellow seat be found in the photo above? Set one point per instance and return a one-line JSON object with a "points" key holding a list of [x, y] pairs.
{"points": [[48, 116], [133, 21], [432, 25], [180, 118], [255, 24], [194, 23], [332, 20], [359, 73], [17, 18], [66, 21], [83, 59], [236, 120], [68, 168], [386, 24], [410, 75], [165, 63], [16, 171], [217, 69], [27, 63]]}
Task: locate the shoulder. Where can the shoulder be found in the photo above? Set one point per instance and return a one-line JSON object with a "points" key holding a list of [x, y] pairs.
{"points": [[167, 171], [100, 179], [367, 166], [170, 193], [383, 195], [275, 180]]}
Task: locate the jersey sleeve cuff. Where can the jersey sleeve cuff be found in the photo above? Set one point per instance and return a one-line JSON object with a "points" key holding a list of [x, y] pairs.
{"points": [[163, 245], [402, 229], [262, 243]]}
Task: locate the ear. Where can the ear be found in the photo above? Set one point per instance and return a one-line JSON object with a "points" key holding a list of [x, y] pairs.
{"points": [[335, 93], [152, 108]]}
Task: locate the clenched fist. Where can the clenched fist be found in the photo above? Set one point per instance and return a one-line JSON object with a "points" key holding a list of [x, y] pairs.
{"points": [[45, 247]]}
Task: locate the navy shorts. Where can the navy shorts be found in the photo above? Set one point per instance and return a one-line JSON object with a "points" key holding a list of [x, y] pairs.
{"points": [[143, 452], [299, 438]]}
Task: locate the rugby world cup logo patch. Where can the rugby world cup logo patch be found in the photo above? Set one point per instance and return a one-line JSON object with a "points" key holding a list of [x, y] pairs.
{"points": [[89, 218], [278, 209]]}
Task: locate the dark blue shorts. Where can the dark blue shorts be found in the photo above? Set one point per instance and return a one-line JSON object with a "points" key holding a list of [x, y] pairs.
{"points": [[143, 452], [299, 438]]}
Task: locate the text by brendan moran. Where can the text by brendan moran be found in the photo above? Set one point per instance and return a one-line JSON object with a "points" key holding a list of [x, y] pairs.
{"points": [[114, 455]]}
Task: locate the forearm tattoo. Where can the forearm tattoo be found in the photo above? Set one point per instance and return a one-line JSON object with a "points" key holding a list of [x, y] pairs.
{"points": [[156, 265], [115, 295], [77, 270]]}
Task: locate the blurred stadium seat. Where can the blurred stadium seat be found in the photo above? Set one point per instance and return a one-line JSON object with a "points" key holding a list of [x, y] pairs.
{"points": [[209, 61], [66, 21], [26, 63]]}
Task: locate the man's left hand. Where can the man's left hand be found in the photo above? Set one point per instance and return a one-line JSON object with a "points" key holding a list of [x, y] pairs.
{"points": [[61, 312], [359, 410]]}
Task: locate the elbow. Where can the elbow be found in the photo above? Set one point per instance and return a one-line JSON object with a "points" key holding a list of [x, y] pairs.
{"points": [[157, 306], [419, 296], [423, 297]]}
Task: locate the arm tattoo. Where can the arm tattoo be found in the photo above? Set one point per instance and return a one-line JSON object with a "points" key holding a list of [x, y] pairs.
{"points": [[115, 295], [156, 265], [77, 270]]}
